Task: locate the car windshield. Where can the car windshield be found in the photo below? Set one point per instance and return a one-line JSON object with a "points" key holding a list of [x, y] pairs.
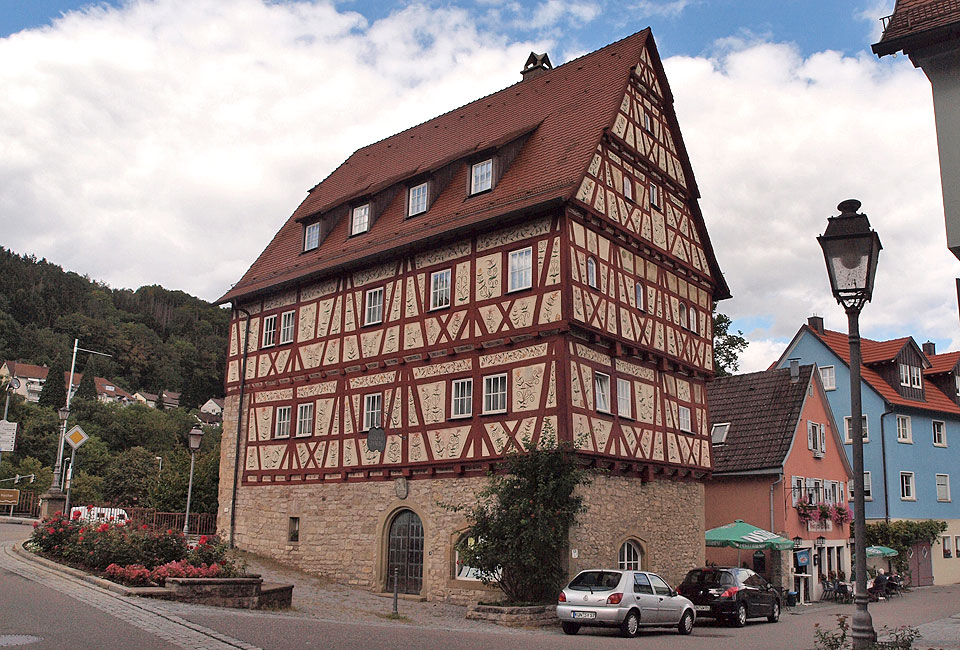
{"points": [[707, 577], [596, 581]]}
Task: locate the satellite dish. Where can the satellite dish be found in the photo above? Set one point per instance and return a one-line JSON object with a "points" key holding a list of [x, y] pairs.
{"points": [[14, 383], [376, 439]]}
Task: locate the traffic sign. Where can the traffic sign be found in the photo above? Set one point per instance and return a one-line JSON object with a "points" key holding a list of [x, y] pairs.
{"points": [[9, 497], [76, 436], [8, 435]]}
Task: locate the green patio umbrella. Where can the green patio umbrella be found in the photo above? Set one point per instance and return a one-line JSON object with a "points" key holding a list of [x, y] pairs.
{"points": [[881, 551], [741, 535]]}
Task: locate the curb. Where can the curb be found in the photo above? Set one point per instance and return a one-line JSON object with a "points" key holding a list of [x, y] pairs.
{"points": [[76, 573], [23, 521]]}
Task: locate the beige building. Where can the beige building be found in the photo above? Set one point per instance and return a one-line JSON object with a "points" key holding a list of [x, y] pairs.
{"points": [[530, 266]]}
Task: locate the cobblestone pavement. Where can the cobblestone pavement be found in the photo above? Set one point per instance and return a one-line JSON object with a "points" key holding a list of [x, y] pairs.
{"points": [[152, 617]]}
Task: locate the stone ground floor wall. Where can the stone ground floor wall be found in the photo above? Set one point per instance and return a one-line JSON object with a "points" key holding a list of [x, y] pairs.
{"points": [[344, 527], [663, 517]]}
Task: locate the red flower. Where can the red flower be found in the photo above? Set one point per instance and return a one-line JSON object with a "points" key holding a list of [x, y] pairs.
{"points": [[112, 517], [169, 531], [76, 515], [90, 507], [104, 527], [80, 538], [50, 531], [144, 527], [202, 540], [36, 524]]}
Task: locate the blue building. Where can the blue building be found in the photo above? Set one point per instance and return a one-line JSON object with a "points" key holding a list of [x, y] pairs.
{"points": [[911, 422]]}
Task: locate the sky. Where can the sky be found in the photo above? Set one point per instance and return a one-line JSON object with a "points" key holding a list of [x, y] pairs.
{"points": [[166, 141]]}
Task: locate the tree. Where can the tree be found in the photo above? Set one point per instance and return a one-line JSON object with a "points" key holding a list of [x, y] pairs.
{"points": [[519, 525], [130, 478], [902, 535], [88, 387], [726, 346], [54, 392]]}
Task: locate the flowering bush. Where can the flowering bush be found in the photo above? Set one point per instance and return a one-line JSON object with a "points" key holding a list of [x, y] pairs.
{"points": [[130, 554], [824, 512], [840, 514], [806, 510]]}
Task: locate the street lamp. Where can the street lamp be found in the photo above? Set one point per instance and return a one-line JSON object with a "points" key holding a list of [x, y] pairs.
{"points": [[196, 436], [64, 413], [797, 541], [851, 250], [821, 541]]}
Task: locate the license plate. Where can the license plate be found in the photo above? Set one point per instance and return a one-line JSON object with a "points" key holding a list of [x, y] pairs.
{"points": [[584, 614], [702, 608]]}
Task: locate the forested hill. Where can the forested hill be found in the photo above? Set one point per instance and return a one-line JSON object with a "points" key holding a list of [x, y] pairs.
{"points": [[159, 339]]}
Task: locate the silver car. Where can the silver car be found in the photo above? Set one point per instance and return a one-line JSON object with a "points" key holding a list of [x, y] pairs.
{"points": [[625, 599]]}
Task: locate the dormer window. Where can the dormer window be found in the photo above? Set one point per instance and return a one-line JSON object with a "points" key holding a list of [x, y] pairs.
{"points": [[481, 176], [360, 219], [311, 236], [904, 374], [956, 381], [417, 200], [916, 377]]}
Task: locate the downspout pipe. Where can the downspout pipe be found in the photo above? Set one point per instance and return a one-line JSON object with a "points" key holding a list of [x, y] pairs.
{"points": [[883, 454], [773, 487], [236, 450]]}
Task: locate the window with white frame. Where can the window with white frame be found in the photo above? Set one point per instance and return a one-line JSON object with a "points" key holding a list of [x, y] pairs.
{"points": [[814, 490], [311, 236], [947, 549], [943, 487], [464, 570], [848, 428], [417, 199], [627, 188], [495, 394], [718, 433], [287, 321], [956, 382], [694, 321], [630, 557], [624, 398], [481, 176], [816, 438], [683, 415], [269, 331], [796, 489], [360, 219], [904, 374], [462, 393], [374, 307], [281, 426], [640, 296], [939, 434], [654, 195], [907, 492], [601, 391], [372, 410], [592, 272], [828, 376], [305, 419], [520, 264], [904, 433], [867, 488], [440, 289], [916, 377]]}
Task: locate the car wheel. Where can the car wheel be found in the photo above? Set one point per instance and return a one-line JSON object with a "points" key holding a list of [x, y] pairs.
{"points": [[686, 623], [775, 614], [740, 617], [570, 628], [630, 626]]}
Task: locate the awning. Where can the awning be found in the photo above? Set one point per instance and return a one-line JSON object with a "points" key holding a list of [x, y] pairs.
{"points": [[743, 535]]}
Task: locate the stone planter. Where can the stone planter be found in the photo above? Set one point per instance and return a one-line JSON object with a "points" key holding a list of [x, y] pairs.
{"points": [[533, 616], [242, 593]]}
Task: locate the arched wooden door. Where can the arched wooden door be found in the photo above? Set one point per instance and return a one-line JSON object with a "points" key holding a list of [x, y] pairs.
{"points": [[405, 558]]}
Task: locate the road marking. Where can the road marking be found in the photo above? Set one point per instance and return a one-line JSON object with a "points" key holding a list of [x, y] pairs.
{"points": [[139, 612]]}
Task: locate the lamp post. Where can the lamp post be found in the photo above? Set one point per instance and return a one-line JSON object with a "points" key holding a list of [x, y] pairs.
{"points": [[851, 250], [196, 436]]}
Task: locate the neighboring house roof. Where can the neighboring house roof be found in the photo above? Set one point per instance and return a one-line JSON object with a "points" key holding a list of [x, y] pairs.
{"points": [[208, 418], [942, 363], [27, 370], [103, 386], [763, 409], [218, 401], [562, 111], [881, 351], [919, 23], [839, 344]]}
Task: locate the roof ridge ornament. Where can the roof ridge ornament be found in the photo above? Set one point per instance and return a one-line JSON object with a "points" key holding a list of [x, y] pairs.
{"points": [[536, 65]]}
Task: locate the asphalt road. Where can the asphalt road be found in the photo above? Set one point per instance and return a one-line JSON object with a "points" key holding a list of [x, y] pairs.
{"points": [[64, 613]]}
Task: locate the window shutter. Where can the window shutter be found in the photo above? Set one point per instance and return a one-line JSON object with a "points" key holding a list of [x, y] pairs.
{"points": [[823, 439]]}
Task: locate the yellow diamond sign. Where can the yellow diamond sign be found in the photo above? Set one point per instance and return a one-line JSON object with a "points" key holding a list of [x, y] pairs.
{"points": [[76, 436]]}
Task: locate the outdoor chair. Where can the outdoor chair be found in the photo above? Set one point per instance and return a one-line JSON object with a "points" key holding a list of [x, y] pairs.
{"points": [[894, 588], [842, 593], [829, 591]]}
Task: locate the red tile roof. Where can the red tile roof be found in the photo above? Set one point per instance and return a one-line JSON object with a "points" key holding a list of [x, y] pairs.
{"points": [[919, 23], [564, 111], [941, 363], [880, 351], [20, 369], [935, 399]]}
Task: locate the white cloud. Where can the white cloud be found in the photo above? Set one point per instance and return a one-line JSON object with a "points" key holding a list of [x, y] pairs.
{"points": [[668, 9], [777, 141], [552, 12], [166, 142], [760, 354]]}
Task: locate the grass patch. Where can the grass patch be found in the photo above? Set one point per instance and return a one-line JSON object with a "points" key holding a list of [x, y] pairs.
{"points": [[393, 617]]}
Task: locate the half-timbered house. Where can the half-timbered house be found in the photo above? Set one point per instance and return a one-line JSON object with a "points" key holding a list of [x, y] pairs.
{"points": [[530, 266]]}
